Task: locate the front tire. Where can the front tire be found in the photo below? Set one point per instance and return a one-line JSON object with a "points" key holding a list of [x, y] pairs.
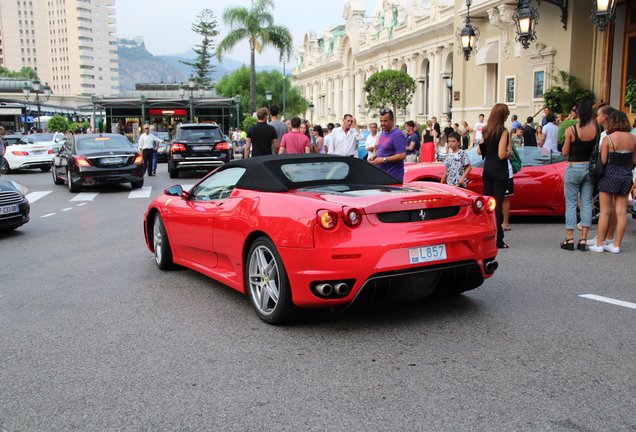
{"points": [[56, 179], [267, 283], [161, 245]]}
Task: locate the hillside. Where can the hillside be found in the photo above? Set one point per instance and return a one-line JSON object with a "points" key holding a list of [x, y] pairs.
{"points": [[137, 65]]}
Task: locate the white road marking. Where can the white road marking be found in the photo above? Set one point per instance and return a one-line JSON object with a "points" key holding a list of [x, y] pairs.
{"points": [[84, 196], [67, 209], [48, 215], [609, 300], [34, 196], [81, 204], [144, 192]]}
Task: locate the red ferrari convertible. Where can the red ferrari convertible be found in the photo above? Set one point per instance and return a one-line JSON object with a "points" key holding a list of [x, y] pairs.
{"points": [[538, 186], [302, 231]]}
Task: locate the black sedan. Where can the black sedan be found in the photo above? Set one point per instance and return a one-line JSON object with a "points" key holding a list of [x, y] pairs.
{"points": [[14, 207], [96, 159]]}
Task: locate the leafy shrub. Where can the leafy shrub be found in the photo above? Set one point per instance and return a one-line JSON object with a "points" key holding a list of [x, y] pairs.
{"points": [[57, 123]]}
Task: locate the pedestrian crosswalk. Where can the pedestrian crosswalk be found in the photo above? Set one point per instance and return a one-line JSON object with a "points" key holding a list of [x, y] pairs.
{"points": [[84, 197]]}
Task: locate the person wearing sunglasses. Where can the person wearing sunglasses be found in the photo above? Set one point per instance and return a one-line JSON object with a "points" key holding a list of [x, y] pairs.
{"points": [[391, 146]]}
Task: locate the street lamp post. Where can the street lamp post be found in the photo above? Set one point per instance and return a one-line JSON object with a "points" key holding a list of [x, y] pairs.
{"points": [[268, 97], [237, 102], [311, 111], [37, 88], [143, 110], [192, 87]]}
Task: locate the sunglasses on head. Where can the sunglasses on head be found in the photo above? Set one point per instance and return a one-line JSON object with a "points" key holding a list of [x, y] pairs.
{"points": [[385, 111]]}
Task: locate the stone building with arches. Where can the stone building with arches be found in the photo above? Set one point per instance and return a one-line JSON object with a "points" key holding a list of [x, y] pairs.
{"points": [[416, 37], [419, 38]]}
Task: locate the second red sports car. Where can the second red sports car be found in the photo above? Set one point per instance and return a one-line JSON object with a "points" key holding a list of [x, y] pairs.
{"points": [[317, 231], [538, 186]]}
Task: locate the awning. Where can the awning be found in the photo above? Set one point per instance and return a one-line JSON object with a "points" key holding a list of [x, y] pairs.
{"points": [[10, 111], [488, 54]]}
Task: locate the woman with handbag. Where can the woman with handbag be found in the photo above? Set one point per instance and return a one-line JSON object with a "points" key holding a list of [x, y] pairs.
{"points": [[579, 143], [618, 154]]}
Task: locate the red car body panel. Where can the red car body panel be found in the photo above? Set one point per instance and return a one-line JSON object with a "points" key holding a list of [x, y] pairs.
{"points": [[539, 190], [213, 237]]}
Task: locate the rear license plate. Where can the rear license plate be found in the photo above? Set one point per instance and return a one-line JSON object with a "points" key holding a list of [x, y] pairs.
{"points": [[14, 208], [112, 161], [427, 254], [201, 148]]}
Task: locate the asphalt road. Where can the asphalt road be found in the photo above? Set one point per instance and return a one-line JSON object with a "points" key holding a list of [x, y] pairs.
{"points": [[93, 337]]}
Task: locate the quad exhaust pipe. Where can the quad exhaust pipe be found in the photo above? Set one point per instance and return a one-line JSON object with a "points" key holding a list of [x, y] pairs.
{"points": [[491, 266], [324, 289]]}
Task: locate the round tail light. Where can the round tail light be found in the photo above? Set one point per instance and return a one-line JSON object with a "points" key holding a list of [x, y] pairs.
{"points": [[352, 217], [327, 219]]}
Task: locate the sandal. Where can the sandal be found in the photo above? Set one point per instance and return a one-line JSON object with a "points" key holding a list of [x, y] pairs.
{"points": [[503, 246], [582, 245], [568, 244]]}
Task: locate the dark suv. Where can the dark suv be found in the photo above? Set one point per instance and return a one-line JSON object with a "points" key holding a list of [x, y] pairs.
{"points": [[197, 147]]}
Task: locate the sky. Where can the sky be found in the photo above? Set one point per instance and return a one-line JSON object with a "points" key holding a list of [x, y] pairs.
{"points": [[165, 25]]}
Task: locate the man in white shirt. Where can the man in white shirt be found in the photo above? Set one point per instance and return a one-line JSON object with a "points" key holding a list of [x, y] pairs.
{"points": [[550, 134], [148, 145], [479, 128], [372, 141], [344, 139]]}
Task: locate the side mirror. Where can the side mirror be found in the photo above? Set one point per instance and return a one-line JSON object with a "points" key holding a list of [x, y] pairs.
{"points": [[175, 190]]}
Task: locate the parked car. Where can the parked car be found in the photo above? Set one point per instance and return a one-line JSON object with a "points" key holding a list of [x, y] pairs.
{"points": [[198, 147], [164, 146], [310, 231], [96, 159], [55, 139], [14, 207], [11, 139], [538, 186], [28, 153]]}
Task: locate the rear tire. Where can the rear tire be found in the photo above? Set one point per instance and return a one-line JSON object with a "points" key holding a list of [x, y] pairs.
{"points": [[267, 283], [5, 168], [138, 184], [72, 187], [161, 245], [172, 172]]}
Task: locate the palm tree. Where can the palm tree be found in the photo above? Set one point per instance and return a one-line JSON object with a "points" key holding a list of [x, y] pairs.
{"points": [[255, 24]]}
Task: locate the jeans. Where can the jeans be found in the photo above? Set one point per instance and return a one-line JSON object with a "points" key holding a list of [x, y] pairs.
{"points": [[154, 162], [577, 180]]}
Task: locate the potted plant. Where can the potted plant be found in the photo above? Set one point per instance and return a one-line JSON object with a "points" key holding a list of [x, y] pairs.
{"points": [[630, 93], [566, 93]]}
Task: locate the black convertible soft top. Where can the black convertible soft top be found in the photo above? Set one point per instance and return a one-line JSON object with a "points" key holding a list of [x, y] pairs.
{"points": [[264, 173]]}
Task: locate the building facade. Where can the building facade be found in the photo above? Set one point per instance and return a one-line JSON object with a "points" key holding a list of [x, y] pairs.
{"points": [[419, 38], [70, 43]]}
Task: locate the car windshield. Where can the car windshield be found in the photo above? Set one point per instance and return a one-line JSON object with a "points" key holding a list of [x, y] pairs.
{"points": [[199, 133], [104, 143], [530, 156], [41, 137], [312, 171]]}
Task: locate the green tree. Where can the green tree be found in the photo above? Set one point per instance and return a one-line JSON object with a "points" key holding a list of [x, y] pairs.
{"points": [[255, 24], [238, 81], [57, 123], [389, 88], [205, 26], [25, 72], [565, 94]]}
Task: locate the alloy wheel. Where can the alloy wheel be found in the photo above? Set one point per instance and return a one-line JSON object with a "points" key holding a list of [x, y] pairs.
{"points": [[264, 280]]}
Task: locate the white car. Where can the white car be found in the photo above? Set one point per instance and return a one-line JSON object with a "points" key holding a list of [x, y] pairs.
{"points": [[32, 151]]}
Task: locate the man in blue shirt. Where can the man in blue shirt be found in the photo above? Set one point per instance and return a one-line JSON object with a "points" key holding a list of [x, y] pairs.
{"points": [[391, 146], [516, 124]]}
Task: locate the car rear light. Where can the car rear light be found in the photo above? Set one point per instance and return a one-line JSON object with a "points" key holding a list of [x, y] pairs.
{"points": [[81, 161], [479, 205], [20, 153], [351, 217], [222, 146], [139, 159], [491, 203], [50, 152], [177, 147], [327, 219]]}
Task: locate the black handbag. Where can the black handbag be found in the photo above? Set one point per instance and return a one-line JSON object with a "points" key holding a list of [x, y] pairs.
{"points": [[596, 168]]}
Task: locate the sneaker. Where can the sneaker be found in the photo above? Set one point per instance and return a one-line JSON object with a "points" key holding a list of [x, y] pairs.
{"points": [[611, 248], [594, 248], [608, 242], [579, 226]]}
